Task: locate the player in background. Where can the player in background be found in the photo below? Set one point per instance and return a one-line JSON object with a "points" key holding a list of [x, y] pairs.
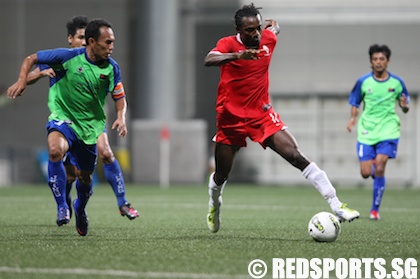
{"points": [[244, 110], [379, 125], [84, 77], [76, 38]]}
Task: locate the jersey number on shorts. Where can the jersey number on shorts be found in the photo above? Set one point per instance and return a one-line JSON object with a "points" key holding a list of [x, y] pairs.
{"points": [[361, 150], [275, 117]]}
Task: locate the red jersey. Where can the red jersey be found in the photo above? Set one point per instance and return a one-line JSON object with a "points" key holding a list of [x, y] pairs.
{"points": [[243, 86]]}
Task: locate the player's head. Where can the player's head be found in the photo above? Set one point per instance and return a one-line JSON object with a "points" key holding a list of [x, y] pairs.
{"points": [[379, 57], [76, 31], [100, 38], [380, 48], [248, 24]]}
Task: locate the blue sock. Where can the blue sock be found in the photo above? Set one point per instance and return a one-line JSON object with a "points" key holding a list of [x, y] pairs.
{"points": [[378, 191], [115, 178], [57, 182], [83, 194], [373, 171]]}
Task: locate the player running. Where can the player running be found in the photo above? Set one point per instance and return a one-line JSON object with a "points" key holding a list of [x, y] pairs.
{"points": [[84, 77], [76, 38], [379, 125], [244, 110]]}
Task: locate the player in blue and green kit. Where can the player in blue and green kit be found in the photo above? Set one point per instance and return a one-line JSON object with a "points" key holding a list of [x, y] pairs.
{"points": [[76, 38], [379, 125], [84, 77]]}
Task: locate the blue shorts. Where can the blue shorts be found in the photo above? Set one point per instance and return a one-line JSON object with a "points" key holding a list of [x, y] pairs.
{"points": [[81, 155], [369, 152]]}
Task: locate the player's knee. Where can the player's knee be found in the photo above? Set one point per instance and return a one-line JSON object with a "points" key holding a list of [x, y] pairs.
{"points": [[85, 179], [106, 155], [365, 174], [70, 179], [55, 154], [380, 171]]}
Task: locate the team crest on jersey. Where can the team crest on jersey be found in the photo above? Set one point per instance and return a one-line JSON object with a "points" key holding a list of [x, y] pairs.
{"points": [[369, 90], [391, 90], [80, 69]]}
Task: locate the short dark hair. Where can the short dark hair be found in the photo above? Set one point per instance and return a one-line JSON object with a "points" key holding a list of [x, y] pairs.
{"points": [[246, 11], [379, 48], [75, 23], [93, 28]]}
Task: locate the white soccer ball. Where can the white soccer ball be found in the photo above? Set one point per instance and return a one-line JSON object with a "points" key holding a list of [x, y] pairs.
{"points": [[324, 227]]}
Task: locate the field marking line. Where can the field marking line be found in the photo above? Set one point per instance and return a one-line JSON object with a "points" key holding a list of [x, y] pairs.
{"points": [[121, 273], [260, 207]]}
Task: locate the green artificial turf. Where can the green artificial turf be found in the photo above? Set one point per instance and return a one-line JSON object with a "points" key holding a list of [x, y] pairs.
{"points": [[170, 239]]}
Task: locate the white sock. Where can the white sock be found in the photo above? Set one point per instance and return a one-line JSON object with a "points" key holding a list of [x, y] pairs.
{"points": [[215, 192], [319, 179]]}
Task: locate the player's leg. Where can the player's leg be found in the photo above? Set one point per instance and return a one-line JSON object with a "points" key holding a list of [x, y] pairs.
{"points": [[367, 169], [385, 150], [379, 183], [85, 158], [283, 143], [57, 148], [84, 192], [224, 156], [366, 154], [114, 176], [71, 177]]}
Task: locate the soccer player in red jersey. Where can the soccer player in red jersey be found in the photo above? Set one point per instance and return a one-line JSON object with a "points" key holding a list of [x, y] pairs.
{"points": [[244, 110]]}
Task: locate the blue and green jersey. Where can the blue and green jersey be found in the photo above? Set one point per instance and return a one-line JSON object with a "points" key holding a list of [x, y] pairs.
{"points": [[378, 121], [79, 90]]}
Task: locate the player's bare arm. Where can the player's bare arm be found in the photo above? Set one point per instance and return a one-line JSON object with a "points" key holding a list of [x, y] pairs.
{"points": [[120, 122], [37, 74], [352, 120], [218, 59], [18, 88]]}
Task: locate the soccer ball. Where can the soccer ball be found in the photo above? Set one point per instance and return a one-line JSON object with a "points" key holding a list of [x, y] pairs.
{"points": [[324, 227]]}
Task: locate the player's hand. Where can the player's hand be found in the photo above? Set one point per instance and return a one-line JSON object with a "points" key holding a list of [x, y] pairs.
{"points": [[16, 89], [270, 22], [272, 25], [121, 127], [249, 54], [351, 124], [48, 73], [404, 103]]}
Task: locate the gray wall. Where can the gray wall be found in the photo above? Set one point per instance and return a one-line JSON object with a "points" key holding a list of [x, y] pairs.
{"points": [[329, 58]]}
